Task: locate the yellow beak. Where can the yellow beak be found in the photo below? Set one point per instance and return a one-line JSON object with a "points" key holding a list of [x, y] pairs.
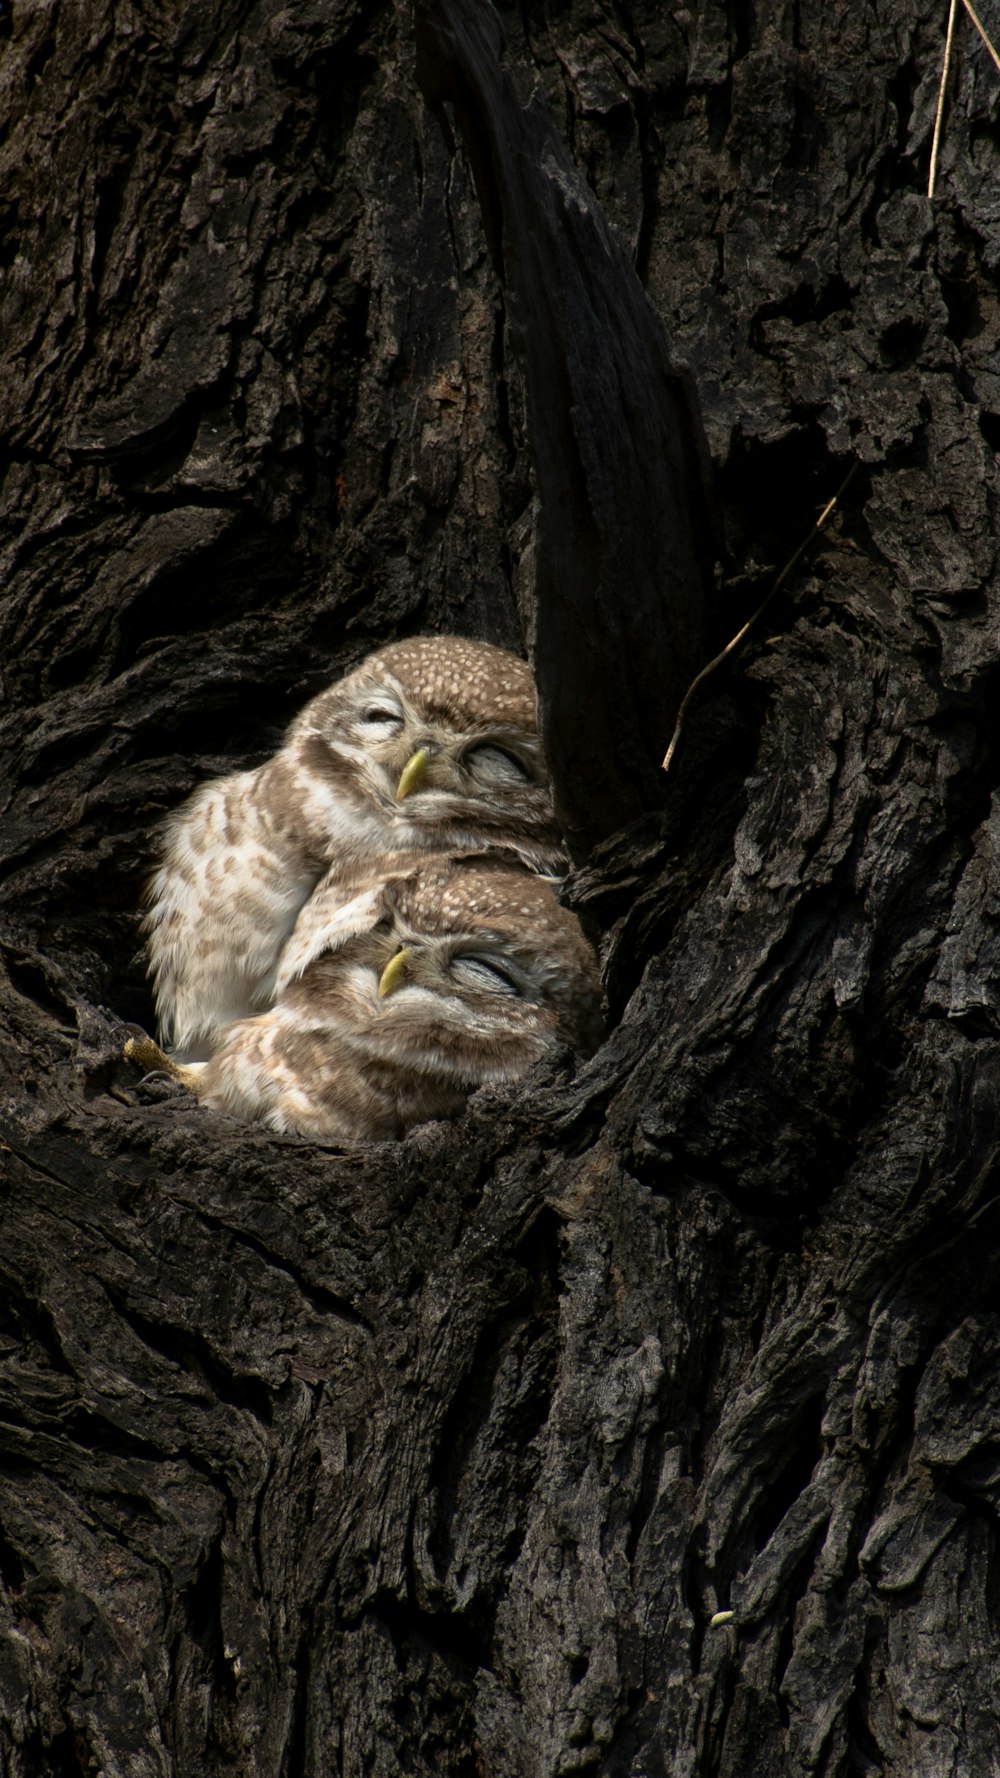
{"points": [[413, 774], [393, 973]]}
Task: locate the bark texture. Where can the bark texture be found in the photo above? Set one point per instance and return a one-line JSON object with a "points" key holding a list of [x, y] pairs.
{"points": [[323, 323]]}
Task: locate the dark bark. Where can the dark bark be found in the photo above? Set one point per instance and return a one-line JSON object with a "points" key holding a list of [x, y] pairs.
{"points": [[439, 1457], [622, 544]]}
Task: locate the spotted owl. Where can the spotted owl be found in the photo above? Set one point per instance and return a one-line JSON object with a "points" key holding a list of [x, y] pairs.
{"points": [[451, 973], [430, 743]]}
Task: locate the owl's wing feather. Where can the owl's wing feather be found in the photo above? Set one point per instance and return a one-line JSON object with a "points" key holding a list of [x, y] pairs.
{"points": [[325, 923], [298, 1078], [219, 909]]}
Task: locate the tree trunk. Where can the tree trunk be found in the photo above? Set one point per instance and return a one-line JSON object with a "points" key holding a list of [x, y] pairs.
{"points": [[331, 322]]}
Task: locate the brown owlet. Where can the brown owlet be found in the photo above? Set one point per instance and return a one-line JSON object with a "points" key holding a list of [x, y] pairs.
{"points": [[455, 972], [430, 743]]}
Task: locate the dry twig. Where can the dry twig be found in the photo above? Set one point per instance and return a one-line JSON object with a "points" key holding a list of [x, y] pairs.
{"points": [[981, 28], [737, 639], [945, 66]]}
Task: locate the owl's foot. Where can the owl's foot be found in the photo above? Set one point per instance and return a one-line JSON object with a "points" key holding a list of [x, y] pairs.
{"points": [[147, 1055]]}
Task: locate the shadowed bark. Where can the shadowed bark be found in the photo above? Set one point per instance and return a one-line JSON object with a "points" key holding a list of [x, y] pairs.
{"points": [[621, 547], [440, 1456]]}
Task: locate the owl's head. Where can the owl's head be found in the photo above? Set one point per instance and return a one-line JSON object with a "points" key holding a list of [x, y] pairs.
{"points": [[436, 740], [461, 968]]}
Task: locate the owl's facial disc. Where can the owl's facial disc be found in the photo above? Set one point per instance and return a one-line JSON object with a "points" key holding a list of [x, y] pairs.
{"points": [[485, 767], [465, 973], [431, 765]]}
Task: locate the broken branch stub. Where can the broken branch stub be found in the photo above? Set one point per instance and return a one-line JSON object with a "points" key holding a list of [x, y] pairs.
{"points": [[623, 525]]}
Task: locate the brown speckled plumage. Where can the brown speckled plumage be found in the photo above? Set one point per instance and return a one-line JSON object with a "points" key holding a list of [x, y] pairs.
{"points": [[493, 973], [244, 855]]}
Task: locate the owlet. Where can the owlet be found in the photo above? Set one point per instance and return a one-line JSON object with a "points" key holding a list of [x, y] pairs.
{"points": [[431, 743]]}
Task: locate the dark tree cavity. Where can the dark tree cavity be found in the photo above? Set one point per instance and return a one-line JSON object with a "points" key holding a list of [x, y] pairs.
{"points": [[330, 322]]}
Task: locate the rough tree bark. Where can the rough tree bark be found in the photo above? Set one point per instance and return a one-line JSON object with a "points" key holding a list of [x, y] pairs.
{"points": [[323, 323]]}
